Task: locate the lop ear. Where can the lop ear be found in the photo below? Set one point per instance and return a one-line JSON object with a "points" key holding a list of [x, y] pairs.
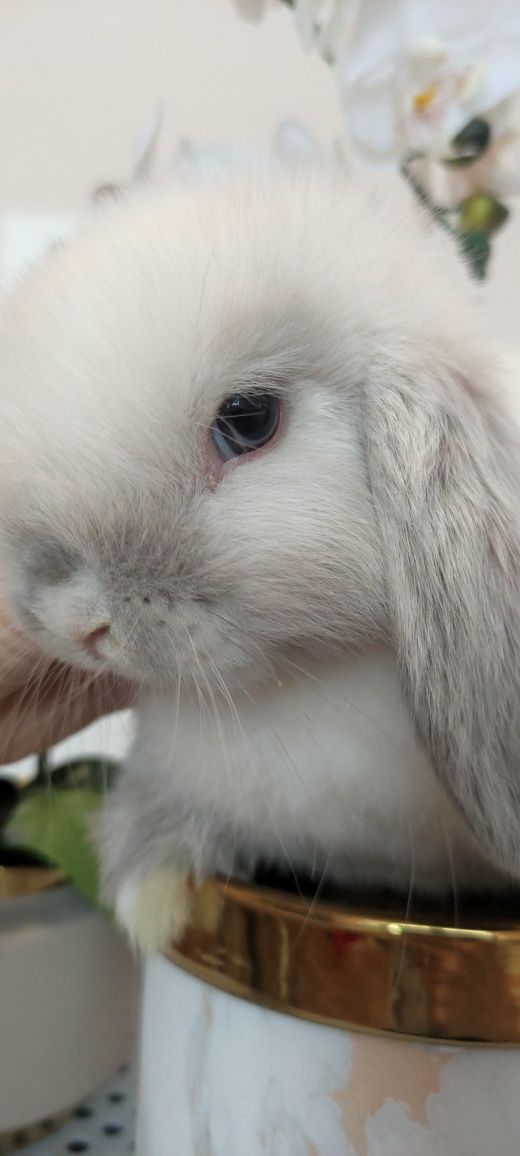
{"points": [[445, 476]]}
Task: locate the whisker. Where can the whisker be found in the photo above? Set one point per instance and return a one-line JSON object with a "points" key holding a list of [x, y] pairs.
{"points": [[395, 985]]}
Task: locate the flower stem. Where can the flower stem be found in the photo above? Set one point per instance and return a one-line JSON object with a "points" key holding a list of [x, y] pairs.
{"points": [[474, 246]]}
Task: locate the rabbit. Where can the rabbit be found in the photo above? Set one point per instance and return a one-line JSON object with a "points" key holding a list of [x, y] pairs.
{"points": [[260, 457]]}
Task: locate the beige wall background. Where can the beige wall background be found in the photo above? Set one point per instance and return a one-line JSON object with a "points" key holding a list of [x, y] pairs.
{"points": [[78, 79]]}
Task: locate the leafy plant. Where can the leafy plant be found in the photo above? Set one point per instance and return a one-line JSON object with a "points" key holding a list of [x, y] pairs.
{"points": [[432, 96], [48, 821]]}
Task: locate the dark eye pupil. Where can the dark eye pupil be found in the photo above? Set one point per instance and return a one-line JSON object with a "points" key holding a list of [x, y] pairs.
{"points": [[245, 423]]}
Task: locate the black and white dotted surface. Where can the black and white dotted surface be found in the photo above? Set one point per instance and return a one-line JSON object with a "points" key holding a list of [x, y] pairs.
{"points": [[102, 1126]]}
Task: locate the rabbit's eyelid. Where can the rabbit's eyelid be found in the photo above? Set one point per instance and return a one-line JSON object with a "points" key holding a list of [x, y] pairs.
{"points": [[256, 387], [275, 374]]}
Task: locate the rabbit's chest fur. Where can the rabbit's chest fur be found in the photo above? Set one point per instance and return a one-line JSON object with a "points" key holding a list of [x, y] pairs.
{"points": [[324, 771]]}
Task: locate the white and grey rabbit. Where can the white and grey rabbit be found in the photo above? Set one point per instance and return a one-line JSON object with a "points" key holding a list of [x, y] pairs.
{"points": [[257, 457]]}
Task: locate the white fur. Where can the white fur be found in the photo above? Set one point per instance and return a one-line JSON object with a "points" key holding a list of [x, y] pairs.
{"points": [[273, 722], [155, 911], [328, 777]]}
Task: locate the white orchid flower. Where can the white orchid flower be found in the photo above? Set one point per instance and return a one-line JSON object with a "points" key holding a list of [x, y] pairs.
{"points": [[320, 24], [498, 170], [413, 73], [504, 175], [147, 146], [294, 146], [206, 163], [252, 9]]}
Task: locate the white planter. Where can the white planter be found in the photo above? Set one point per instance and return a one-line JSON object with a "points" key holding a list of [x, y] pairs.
{"points": [[224, 1076], [69, 996]]}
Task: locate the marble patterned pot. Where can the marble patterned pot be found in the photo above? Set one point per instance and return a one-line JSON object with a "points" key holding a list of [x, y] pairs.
{"points": [[275, 1029]]}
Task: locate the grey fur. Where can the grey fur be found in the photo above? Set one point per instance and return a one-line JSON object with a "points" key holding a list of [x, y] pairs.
{"points": [[139, 831], [444, 473]]}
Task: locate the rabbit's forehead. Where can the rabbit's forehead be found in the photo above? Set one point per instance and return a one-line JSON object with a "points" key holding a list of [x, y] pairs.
{"points": [[135, 334], [122, 355], [160, 335]]}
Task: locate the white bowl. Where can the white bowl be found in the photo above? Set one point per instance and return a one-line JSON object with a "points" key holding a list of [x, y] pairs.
{"points": [[69, 998]]}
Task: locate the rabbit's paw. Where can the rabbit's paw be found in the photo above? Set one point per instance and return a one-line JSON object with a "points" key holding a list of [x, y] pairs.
{"points": [[154, 911]]}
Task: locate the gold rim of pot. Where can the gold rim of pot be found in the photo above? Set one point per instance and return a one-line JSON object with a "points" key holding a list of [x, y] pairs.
{"points": [[359, 968], [16, 882]]}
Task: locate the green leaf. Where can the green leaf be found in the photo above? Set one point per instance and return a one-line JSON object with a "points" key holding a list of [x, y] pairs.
{"points": [[53, 823], [477, 250], [473, 243]]}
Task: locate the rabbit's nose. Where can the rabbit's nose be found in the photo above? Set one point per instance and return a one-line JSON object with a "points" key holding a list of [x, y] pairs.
{"points": [[90, 641]]}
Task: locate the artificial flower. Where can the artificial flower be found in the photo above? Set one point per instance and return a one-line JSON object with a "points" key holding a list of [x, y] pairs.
{"points": [[413, 73], [320, 23], [252, 9]]}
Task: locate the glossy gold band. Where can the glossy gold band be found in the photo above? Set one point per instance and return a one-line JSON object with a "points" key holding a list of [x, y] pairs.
{"points": [[18, 881], [361, 969]]}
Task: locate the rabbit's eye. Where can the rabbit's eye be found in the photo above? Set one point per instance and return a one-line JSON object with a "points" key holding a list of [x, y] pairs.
{"points": [[245, 423]]}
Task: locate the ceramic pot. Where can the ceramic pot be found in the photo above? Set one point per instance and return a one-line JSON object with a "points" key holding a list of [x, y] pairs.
{"points": [[294, 1030]]}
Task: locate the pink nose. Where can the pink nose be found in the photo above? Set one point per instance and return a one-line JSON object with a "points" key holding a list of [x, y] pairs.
{"points": [[90, 640]]}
